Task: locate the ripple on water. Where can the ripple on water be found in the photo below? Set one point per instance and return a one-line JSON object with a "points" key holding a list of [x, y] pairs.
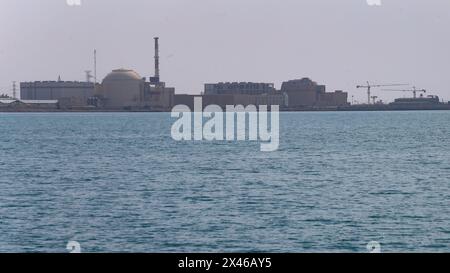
{"points": [[118, 182]]}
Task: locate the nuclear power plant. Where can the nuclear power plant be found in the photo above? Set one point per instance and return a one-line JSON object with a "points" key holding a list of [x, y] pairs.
{"points": [[121, 89], [124, 89]]}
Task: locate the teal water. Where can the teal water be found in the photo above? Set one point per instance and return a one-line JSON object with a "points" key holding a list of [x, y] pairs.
{"points": [[117, 182]]}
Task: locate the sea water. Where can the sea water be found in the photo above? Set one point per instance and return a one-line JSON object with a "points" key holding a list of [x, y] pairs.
{"points": [[118, 182]]}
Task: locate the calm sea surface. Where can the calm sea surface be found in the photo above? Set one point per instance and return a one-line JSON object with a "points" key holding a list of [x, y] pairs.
{"points": [[117, 182]]}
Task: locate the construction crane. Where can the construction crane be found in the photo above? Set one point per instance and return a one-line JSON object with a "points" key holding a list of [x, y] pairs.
{"points": [[374, 98], [414, 90], [370, 86]]}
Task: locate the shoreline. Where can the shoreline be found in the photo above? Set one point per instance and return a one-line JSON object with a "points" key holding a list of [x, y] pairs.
{"points": [[346, 109]]}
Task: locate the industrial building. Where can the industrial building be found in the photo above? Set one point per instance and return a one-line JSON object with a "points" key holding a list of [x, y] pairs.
{"points": [[294, 95], [126, 90], [336, 98], [417, 101], [304, 93], [56, 90], [238, 99], [241, 88], [122, 89], [235, 93], [28, 105]]}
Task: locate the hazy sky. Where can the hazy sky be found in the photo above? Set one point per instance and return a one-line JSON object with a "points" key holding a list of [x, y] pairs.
{"points": [[340, 43]]}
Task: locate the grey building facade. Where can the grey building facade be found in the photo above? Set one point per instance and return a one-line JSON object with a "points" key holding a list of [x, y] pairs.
{"points": [[238, 88], [56, 90]]}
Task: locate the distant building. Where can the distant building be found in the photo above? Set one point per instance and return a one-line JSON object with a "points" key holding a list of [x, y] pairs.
{"points": [[235, 93], [336, 98], [28, 105], [238, 88], [307, 93], [233, 100], [161, 98], [121, 88], [273, 98], [56, 90], [220, 100], [429, 100], [125, 89]]}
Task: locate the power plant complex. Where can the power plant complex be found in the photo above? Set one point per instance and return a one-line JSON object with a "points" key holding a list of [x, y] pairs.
{"points": [[126, 90]]}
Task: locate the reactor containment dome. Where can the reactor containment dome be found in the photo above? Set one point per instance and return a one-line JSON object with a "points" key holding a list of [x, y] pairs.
{"points": [[122, 88]]}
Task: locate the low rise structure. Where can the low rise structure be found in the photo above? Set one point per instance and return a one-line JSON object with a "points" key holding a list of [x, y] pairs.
{"points": [[28, 105], [238, 88], [161, 98], [56, 90], [304, 93], [235, 93], [336, 98]]}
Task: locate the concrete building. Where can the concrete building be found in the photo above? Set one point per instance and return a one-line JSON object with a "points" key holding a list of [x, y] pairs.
{"points": [[124, 89], [234, 93], [28, 105], [220, 100], [120, 89], [305, 93], [230, 99], [429, 100], [336, 98], [160, 98], [238, 88], [56, 90], [263, 99]]}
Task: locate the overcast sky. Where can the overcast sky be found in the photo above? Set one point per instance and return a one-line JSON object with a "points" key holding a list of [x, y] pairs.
{"points": [[340, 43]]}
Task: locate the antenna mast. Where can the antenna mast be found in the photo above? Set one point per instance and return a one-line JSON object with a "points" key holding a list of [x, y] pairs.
{"points": [[95, 66], [157, 58], [14, 90]]}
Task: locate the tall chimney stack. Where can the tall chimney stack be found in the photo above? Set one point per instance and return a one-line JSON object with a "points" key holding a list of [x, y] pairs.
{"points": [[156, 58]]}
